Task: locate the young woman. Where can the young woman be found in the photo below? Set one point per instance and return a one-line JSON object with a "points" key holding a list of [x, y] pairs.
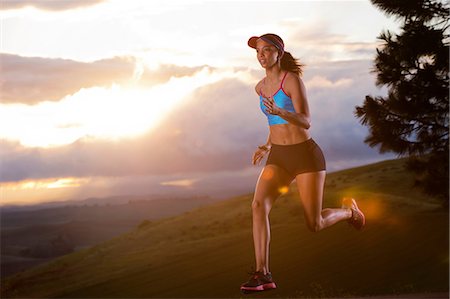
{"points": [[293, 155]]}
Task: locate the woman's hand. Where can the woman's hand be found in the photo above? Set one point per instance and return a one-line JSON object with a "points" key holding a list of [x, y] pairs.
{"points": [[259, 154], [299, 119], [272, 108]]}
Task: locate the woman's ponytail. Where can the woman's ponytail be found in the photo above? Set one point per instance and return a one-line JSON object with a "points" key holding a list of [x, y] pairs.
{"points": [[291, 64]]}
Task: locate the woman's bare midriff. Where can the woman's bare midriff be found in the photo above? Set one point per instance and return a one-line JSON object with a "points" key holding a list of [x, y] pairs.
{"points": [[286, 134]]}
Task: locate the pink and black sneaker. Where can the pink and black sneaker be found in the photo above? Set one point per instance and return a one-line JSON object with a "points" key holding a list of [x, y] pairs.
{"points": [[258, 282], [358, 219]]}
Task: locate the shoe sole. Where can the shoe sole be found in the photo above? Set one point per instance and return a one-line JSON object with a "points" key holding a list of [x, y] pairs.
{"points": [[263, 287]]}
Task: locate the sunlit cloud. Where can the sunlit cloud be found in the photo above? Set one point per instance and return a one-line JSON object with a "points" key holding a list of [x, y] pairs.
{"points": [[323, 82], [33, 190], [219, 124], [192, 131], [48, 5], [166, 88], [99, 112], [53, 183], [30, 80], [180, 183]]}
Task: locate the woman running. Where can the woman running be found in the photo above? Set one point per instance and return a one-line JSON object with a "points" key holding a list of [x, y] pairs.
{"points": [[293, 154]]}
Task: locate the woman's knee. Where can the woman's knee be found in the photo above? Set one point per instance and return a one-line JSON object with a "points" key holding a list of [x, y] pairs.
{"points": [[261, 205]]}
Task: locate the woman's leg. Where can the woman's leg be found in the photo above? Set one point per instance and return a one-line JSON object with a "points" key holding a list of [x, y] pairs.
{"points": [[310, 186], [271, 181]]}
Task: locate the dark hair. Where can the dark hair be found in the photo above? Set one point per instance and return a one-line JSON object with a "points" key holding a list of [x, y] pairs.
{"points": [[291, 64]]}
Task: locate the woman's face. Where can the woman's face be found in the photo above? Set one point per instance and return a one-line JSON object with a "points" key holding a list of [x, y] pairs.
{"points": [[266, 53]]}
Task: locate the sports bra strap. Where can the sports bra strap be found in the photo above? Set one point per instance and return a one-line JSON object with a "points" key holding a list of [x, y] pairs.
{"points": [[281, 84], [282, 81]]}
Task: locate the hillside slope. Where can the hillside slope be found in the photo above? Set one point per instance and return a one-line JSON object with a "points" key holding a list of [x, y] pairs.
{"points": [[207, 252]]}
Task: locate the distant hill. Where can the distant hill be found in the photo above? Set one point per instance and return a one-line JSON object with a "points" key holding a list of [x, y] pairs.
{"points": [[91, 201], [206, 252], [100, 209], [34, 235]]}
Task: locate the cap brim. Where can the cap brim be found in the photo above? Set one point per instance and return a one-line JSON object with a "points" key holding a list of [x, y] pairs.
{"points": [[252, 41]]}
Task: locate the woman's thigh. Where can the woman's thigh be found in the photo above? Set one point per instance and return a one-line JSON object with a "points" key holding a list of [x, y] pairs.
{"points": [[272, 182]]}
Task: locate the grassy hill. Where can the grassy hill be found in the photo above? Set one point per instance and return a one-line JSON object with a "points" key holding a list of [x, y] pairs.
{"points": [[207, 252]]}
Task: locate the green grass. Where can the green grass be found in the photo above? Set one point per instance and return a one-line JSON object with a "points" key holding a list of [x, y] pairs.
{"points": [[207, 252]]}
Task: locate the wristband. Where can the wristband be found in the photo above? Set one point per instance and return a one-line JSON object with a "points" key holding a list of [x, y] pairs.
{"points": [[264, 147]]}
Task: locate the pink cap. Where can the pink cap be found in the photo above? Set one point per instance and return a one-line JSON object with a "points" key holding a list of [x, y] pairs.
{"points": [[271, 38]]}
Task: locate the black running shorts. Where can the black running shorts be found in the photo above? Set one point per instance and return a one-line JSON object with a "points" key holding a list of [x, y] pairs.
{"points": [[297, 158]]}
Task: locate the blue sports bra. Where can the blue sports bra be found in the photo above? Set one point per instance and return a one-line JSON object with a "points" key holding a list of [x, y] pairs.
{"points": [[282, 100]]}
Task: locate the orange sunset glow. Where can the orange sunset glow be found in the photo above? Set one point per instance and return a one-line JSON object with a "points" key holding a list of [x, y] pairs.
{"points": [[223, 149], [152, 96]]}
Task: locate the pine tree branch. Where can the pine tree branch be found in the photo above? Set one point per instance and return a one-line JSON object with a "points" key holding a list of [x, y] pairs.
{"points": [[413, 65]]}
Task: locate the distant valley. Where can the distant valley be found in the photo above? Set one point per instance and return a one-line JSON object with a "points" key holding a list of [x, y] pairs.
{"points": [[33, 235]]}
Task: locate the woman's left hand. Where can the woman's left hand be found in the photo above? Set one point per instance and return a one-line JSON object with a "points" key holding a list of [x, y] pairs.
{"points": [[272, 108]]}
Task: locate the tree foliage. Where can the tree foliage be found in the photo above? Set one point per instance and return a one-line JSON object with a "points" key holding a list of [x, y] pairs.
{"points": [[412, 120]]}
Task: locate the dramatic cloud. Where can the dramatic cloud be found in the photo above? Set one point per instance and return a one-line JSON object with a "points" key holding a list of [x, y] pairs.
{"points": [[165, 72], [48, 5], [203, 147], [195, 137], [318, 42], [215, 129], [30, 80], [219, 117], [153, 115], [334, 89]]}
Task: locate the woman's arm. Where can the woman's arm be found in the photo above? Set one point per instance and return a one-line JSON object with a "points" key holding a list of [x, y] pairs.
{"points": [[298, 119], [261, 151], [267, 145]]}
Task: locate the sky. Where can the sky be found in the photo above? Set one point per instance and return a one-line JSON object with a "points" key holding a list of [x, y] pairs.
{"points": [[115, 97]]}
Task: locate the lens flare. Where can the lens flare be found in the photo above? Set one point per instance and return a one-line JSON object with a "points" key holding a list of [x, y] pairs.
{"points": [[373, 208], [283, 190]]}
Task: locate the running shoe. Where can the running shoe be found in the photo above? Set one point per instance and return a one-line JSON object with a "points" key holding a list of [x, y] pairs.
{"points": [[258, 282], [358, 219]]}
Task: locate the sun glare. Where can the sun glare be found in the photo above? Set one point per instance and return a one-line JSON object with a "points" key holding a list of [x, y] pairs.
{"points": [[55, 183], [99, 112], [34, 191], [180, 183]]}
